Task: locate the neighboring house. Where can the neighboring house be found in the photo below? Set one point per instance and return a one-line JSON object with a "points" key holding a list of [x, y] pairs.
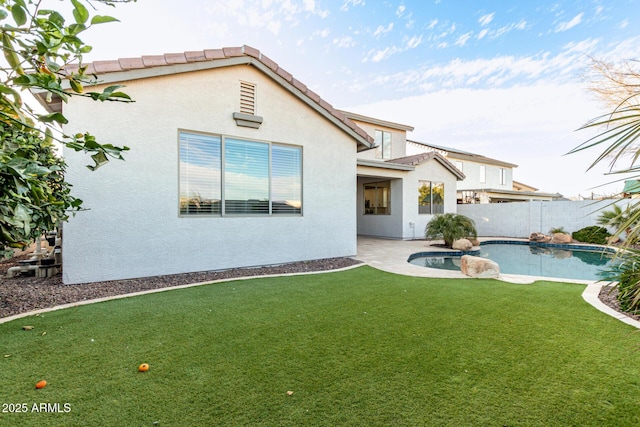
{"points": [[631, 189], [486, 180], [399, 193], [233, 163]]}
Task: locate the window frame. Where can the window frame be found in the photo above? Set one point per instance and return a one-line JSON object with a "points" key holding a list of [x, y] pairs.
{"points": [[503, 176], [223, 168], [380, 153], [432, 186], [376, 185]]}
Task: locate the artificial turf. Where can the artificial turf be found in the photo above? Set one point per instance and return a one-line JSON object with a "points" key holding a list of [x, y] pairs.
{"points": [[358, 347]]}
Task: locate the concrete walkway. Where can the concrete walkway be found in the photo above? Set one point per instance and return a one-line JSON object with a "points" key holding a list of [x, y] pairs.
{"points": [[391, 256]]}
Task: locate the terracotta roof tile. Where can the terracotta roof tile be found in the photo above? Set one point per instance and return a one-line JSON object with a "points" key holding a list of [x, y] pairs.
{"points": [[250, 51], [213, 54], [230, 52], [299, 85], [195, 56], [269, 62], [154, 61], [176, 58], [416, 159], [125, 64], [107, 66], [284, 74], [131, 63]]}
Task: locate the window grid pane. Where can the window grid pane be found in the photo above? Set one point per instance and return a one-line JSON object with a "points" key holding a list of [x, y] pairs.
{"points": [[199, 174], [430, 197], [246, 177], [286, 180]]}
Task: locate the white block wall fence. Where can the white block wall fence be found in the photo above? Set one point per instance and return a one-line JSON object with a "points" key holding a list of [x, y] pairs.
{"points": [[522, 219]]}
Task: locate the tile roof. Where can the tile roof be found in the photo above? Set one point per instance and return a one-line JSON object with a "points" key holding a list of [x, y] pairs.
{"points": [[464, 155], [209, 55], [417, 159]]}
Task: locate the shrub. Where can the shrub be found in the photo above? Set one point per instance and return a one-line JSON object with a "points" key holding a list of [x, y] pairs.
{"points": [[592, 234], [450, 227], [627, 274], [557, 230]]}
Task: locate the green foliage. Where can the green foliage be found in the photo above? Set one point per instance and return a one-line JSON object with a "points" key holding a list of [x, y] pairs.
{"points": [[450, 227], [33, 195], [622, 220], [38, 46], [592, 234], [557, 230]]}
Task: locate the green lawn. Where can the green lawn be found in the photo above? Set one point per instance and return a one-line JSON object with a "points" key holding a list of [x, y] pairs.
{"points": [[356, 348]]}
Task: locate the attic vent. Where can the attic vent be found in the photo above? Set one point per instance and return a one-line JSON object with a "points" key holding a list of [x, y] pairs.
{"points": [[248, 98]]}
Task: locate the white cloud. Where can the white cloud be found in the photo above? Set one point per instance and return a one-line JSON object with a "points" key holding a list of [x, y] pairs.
{"points": [[486, 19], [349, 3], [400, 10], [382, 54], [482, 33], [462, 40], [344, 42], [624, 24], [413, 42], [382, 30], [324, 33], [564, 26], [432, 24]]}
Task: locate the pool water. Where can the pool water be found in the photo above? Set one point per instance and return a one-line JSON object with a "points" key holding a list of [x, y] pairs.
{"points": [[560, 261]]}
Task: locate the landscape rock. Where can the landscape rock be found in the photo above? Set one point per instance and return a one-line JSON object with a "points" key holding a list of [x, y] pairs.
{"points": [[613, 239], [561, 238], [539, 237], [483, 268], [474, 242], [463, 245]]}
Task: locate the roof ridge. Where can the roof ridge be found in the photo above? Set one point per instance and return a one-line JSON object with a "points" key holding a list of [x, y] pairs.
{"points": [[170, 59]]}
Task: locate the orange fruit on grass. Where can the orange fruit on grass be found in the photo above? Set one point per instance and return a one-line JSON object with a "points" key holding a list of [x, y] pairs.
{"points": [[144, 367], [41, 384]]}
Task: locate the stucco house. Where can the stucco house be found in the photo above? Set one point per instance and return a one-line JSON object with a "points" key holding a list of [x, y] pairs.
{"points": [[234, 163], [487, 180]]}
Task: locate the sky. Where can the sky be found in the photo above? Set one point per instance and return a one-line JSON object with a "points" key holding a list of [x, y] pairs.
{"points": [[505, 79]]}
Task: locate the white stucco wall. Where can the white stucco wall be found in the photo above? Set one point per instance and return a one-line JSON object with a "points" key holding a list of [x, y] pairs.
{"points": [[398, 141], [471, 171], [132, 227], [520, 219]]}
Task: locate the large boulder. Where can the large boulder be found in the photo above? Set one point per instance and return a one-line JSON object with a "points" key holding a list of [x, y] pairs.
{"points": [[561, 238], [463, 245], [474, 242], [474, 266], [539, 237]]}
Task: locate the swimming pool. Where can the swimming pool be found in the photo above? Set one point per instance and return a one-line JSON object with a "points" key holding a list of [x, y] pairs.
{"points": [[530, 259]]}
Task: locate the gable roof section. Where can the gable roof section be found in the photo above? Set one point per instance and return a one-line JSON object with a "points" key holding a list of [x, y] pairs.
{"points": [[374, 121], [417, 159], [126, 69], [464, 155]]}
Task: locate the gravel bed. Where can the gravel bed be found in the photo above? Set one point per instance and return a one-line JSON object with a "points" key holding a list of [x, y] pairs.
{"points": [[26, 293]]}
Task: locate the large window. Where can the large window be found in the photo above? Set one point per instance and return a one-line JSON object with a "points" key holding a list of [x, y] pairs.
{"points": [[483, 173], [430, 197], [252, 178], [377, 198], [382, 140]]}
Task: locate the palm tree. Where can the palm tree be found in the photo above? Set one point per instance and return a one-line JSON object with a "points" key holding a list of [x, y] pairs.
{"points": [[450, 227], [620, 220]]}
